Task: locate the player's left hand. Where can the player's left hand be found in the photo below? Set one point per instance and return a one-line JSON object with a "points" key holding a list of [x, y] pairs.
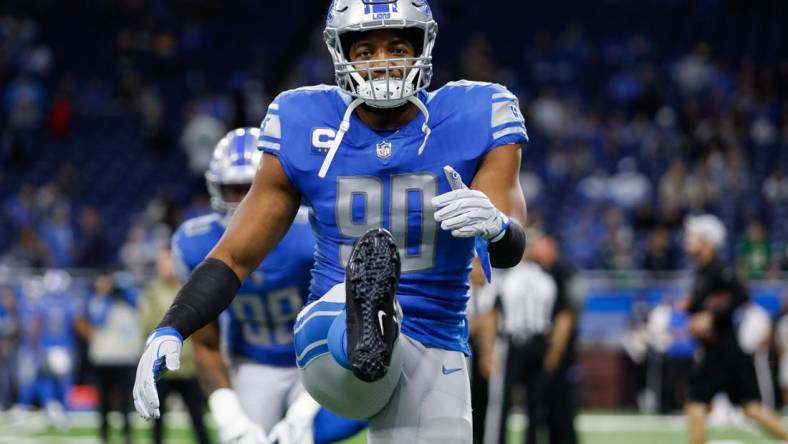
{"points": [[297, 425], [466, 212], [162, 353]]}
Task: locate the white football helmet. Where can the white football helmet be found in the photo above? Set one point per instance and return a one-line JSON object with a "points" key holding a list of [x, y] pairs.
{"points": [[348, 16], [235, 161]]}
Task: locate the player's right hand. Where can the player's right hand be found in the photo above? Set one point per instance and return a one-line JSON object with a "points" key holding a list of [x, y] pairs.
{"points": [[162, 353], [233, 424]]}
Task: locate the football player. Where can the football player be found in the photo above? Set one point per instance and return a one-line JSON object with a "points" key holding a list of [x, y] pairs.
{"points": [[384, 335], [258, 326]]}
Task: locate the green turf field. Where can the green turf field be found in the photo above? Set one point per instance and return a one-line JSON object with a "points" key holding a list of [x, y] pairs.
{"points": [[595, 429]]}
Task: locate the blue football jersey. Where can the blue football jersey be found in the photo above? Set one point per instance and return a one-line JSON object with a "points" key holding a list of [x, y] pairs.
{"points": [[378, 179], [259, 322]]}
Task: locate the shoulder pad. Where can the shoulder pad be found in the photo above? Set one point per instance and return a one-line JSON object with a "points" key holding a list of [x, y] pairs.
{"points": [[199, 225]]}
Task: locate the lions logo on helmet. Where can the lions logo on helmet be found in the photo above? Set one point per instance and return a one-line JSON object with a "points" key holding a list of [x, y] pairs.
{"points": [[232, 168], [347, 16]]}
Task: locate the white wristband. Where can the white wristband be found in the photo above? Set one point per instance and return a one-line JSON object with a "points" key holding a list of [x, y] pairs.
{"points": [[225, 407]]}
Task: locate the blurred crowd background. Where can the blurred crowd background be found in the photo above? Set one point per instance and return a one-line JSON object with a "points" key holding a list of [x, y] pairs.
{"points": [[639, 113]]}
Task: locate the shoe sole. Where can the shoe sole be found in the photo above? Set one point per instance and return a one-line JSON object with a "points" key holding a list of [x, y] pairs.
{"points": [[371, 279]]}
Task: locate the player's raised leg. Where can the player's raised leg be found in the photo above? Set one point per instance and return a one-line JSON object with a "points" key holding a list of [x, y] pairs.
{"points": [[346, 341], [372, 320]]}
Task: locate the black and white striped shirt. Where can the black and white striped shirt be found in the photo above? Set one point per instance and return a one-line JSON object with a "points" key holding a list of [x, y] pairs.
{"points": [[527, 298]]}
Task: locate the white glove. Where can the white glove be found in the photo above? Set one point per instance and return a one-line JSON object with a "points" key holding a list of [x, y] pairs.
{"points": [[296, 427], [162, 353], [233, 424], [468, 213]]}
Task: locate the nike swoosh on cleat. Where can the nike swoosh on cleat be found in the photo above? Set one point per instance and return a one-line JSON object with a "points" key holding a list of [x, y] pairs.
{"points": [[448, 371], [381, 314]]}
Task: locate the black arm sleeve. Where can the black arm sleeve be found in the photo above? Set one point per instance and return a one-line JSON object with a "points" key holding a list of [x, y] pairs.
{"points": [[508, 251], [209, 290]]}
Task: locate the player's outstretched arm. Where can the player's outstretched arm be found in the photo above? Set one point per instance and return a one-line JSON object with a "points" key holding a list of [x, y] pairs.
{"points": [[260, 221], [233, 424]]}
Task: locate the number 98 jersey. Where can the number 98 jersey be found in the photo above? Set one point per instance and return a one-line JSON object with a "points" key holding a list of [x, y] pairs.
{"points": [[378, 179], [258, 324]]}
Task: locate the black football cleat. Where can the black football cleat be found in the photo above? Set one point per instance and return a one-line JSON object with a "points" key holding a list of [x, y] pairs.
{"points": [[371, 279]]}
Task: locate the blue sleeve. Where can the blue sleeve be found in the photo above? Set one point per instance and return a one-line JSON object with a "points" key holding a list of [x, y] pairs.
{"points": [[179, 257], [507, 125], [272, 136], [329, 427]]}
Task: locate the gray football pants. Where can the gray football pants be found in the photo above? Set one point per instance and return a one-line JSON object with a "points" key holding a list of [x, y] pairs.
{"points": [[424, 398], [265, 391]]}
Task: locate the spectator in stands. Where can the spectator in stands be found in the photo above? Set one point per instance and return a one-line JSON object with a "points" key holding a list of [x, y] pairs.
{"points": [[28, 251], [20, 208], [629, 188], [61, 112], [148, 234], [156, 299], [91, 249], [23, 100], [672, 192], [701, 189], [57, 234], [115, 341], [775, 187], [660, 255], [198, 138], [616, 246], [754, 252], [10, 327]]}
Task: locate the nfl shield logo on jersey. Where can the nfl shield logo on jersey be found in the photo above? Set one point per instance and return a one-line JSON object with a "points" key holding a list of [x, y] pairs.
{"points": [[383, 150]]}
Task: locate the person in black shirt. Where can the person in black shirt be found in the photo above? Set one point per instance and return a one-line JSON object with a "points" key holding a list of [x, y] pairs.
{"points": [[720, 365], [560, 393]]}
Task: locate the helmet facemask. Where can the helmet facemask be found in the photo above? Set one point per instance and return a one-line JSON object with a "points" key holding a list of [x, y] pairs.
{"points": [[360, 79], [388, 90]]}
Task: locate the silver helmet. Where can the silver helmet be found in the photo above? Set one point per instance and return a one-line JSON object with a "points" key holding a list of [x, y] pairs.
{"points": [[234, 162], [345, 16]]}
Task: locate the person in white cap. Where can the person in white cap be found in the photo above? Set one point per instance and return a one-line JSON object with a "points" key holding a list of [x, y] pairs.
{"points": [[721, 365]]}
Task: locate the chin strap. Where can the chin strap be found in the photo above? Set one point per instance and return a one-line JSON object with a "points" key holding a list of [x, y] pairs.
{"points": [[344, 126], [425, 128]]}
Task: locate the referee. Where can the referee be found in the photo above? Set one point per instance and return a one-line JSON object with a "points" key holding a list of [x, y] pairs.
{"points": [[530, 350], [720, 365]]}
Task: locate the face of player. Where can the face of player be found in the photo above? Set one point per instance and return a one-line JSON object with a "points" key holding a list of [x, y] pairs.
{"points": [[373, 46], [235, 193]]}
